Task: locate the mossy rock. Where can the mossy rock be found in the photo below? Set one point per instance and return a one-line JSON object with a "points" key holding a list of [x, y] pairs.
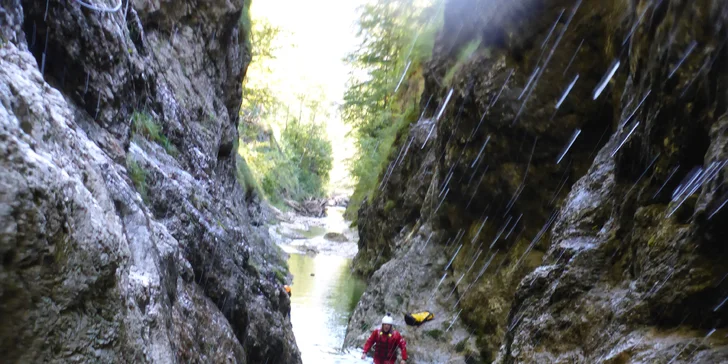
{"points": [[388, 206], [435, 334], [460, 346], [281, 276], [336, 237]]}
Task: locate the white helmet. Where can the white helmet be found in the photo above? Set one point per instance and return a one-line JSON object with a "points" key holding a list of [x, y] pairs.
{"points": [[387, 320]]}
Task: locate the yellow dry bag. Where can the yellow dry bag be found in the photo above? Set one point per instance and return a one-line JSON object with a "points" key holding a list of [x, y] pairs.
{"points": [[418, 318]]}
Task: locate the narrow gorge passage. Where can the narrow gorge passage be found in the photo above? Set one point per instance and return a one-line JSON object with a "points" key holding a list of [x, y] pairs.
{"points": [[227, 181], [324, 290]]}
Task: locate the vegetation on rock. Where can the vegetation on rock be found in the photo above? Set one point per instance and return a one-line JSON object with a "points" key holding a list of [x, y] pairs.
{"points": [[397, 40], [143, 124]]}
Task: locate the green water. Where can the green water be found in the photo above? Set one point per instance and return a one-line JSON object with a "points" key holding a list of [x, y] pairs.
{"points": [[321, 306]]}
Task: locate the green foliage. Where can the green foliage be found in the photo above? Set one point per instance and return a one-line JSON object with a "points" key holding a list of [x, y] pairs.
{"points": [[258, 99], [143, 124], [309, 146], [245, 176], [388, 206], [296, 168], [138, 176], [368, 168], [465, 53], [245, 22], [392, 37]]}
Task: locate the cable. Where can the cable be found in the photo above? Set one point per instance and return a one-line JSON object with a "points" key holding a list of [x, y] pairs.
{"points": [[96, 8]]}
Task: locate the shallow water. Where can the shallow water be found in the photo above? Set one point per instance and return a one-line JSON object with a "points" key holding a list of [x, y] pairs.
{"points": [[312, 232], [321, 306]]}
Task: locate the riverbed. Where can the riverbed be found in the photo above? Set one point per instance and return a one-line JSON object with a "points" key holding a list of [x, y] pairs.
{"points": [[324, 292]]}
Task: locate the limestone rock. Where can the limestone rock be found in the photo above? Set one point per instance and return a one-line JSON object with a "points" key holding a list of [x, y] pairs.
{"points": [[544, 250], [336, 237], [117, 248]]}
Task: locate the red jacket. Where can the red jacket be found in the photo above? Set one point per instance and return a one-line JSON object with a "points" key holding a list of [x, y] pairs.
{"points": [[385, 351]]}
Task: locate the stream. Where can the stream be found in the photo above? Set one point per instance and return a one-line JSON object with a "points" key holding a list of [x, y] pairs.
{"points": [[324, 292]]}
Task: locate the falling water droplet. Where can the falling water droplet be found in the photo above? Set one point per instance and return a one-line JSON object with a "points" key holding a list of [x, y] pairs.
{"points": [[443, 200], [453, 320], [720, 206], [479, 230], [510, 73], [643, 174], [635, 109], [425, 245], [442, 109], [85, 89], [672, 173], [566, 92], [514, 226], [605, 80], [690, 49], [500, 232], [530, 80], [453, 257], [637, 23], [568, 146], [543, 44], [636, 124], [572, 58], [480, 152], [720, 305], [428, 135]]}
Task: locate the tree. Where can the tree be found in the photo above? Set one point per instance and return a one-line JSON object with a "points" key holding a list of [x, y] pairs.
{"points": [[258, 98], [397, 38], [296, 167]]}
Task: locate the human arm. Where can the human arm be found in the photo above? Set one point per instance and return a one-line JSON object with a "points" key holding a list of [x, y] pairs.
{"points": [[403, 348], [369, 343]]}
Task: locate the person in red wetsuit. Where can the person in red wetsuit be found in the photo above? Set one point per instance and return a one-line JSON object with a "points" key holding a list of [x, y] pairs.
{"points": [[386, 341]]}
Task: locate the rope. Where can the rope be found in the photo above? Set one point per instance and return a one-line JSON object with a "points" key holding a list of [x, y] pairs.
{"points": [[96, 8]]}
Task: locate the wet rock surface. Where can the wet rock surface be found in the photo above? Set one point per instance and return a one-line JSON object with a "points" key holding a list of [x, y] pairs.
{"points": [[554, 220], [336, 237], [117, 247]]}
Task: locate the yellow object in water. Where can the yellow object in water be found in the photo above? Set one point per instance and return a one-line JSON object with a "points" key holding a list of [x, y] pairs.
{"points": [[418, 318]]}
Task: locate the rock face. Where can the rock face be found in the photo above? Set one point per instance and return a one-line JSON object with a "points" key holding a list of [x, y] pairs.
{"points": [[126, 243], [568, 205]]}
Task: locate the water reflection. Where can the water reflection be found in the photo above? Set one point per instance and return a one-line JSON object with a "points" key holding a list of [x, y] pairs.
{"points": [[321, 305]]}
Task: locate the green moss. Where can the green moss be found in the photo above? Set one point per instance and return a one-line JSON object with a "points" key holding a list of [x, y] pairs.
{"points": [[460, 346], [143, 124], [281, 276], [464, 55], [388, 206], [245, 176], [371, 168], [138, 176], [435, 334], [245, 22]]}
